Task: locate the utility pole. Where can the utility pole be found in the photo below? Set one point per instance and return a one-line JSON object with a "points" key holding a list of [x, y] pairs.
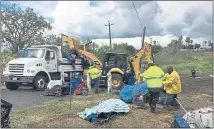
{"points": [[109, 26], [144, 33]]}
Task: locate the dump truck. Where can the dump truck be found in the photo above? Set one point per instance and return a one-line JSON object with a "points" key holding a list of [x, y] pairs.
{"points": [[37, 65]]}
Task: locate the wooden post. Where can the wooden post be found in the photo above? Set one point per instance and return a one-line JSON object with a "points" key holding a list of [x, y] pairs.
{"points": [[70, 88]]}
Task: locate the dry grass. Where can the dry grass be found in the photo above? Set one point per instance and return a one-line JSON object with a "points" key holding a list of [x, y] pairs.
{"points": [[3, 87], [55, 114]]}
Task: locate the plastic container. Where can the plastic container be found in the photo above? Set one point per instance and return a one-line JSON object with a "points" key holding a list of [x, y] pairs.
{"points": [[74, 83]]}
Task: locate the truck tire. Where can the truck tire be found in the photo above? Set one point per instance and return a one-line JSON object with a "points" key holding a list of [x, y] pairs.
{"points": [[117, 80], [12, 85], [40, 82]]}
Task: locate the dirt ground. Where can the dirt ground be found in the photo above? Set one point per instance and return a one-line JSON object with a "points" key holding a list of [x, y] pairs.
{"points": [[196, 93]]}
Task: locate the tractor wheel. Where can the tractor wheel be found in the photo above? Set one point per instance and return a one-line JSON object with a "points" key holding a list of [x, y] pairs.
{"points": [[117, 81]]}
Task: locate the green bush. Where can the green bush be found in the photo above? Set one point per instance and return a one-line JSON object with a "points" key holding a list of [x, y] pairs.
{"points": [[184, 62], [5, 57]]}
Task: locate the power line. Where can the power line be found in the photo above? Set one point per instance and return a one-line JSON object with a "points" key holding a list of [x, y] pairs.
{"points": [[137, 14], [140, 20], [148, 37]]}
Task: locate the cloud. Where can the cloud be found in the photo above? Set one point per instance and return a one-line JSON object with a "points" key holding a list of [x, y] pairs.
{"points": [[44, 8], [162, 18], [199, 22], [80, 17], [190, 18]]}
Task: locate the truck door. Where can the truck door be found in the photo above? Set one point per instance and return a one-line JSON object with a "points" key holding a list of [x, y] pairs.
{"points": [[51, 61]]}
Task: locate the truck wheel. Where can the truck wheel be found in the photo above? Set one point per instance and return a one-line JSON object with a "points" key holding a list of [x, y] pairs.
{"points": [[40, 82], [117, 80], [11, 85]]}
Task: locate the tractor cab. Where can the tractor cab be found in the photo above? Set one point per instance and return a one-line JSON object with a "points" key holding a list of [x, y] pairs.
{"points": [[117, 64], [114, 60]]}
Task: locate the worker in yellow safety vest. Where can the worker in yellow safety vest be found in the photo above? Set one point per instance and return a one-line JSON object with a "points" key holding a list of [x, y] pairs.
{"points": [[94, 78], [153, 76], [172, 87]]}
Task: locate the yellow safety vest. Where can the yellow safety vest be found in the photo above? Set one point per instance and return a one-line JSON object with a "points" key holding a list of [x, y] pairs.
{"points": [[94, 73], [153, 76]]}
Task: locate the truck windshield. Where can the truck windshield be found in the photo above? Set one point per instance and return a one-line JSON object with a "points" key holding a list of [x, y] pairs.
{"points": [[32, 53]]}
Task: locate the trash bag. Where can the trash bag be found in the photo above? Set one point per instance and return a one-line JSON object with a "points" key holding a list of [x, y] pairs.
{"points": [[179, 121], [140, 89], [5, 113], [126, 94]]}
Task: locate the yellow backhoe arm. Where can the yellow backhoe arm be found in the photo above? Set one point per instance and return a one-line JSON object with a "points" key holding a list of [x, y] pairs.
{"points": [[80, 47], [135, 61]]}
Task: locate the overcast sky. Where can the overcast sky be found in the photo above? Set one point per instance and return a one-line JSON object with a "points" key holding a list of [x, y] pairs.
{"points": [[164, 20]]}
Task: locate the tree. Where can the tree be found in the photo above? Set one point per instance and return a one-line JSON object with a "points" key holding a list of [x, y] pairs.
{"points": [[174, 45], [197, 46], [205, 43], [156, 48], [210, 44], [180, 38], [190, 46], [191, 42], [21, 28], [94, 46], [49, 40], [187, 41]]}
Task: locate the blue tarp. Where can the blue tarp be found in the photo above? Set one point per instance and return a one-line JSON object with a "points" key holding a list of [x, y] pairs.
{"points": [[127, 93], [70, 58], [131, 80]]}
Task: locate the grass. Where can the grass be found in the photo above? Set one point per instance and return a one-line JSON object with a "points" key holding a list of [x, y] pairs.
{"points": [[55, 114], [3, 87], [184, 62]]}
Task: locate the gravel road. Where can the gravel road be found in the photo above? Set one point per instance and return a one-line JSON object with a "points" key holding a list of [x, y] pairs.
{"points": [[25, 96]]}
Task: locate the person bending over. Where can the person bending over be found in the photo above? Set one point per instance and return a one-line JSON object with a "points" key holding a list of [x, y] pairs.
{"points": [[172, 87]]}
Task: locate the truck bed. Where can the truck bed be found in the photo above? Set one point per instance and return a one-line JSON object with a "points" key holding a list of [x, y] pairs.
{"points": [[65, 61]]}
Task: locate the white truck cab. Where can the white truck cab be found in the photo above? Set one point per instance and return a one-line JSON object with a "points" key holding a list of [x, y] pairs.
{"points": [[36, 66]]}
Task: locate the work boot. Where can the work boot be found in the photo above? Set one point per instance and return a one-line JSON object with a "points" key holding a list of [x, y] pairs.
{"points": [[153, 109], [96, 91]]}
